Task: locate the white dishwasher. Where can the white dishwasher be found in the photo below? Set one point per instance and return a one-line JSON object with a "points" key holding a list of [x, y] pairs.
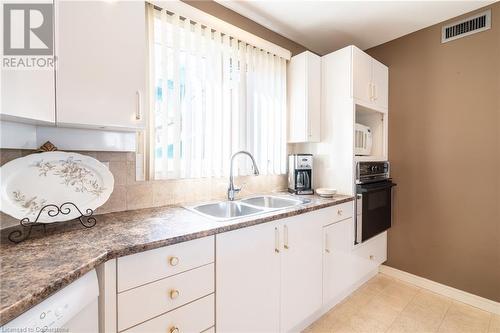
{"points": [[72, 309]]}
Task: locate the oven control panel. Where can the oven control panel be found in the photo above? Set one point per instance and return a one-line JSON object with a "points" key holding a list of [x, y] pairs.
{"points": [[372, 171]]}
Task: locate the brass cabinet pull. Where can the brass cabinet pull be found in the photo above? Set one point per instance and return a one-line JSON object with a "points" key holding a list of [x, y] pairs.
{"points": [[285, 237], [276, 240], [174, 293], [173, 261], [138, 111], [174, 329], [327, 250]]}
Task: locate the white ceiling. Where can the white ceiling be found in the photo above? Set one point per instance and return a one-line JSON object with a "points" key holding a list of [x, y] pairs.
{"points": [[325, 26]]}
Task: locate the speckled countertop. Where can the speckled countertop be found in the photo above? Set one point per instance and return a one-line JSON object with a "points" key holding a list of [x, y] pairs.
{"points": [[38, 267]]}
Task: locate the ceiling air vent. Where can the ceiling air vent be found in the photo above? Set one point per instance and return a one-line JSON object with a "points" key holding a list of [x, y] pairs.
{"points": [[465, 27]]}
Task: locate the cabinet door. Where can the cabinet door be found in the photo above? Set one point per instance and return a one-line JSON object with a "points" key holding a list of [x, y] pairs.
{"points": [[380, 84], [101, 69], [361, 75], [304, 97], [313, 97], [297, 98], [338, 273], [28, 96], [301, 264], [248, 280]]}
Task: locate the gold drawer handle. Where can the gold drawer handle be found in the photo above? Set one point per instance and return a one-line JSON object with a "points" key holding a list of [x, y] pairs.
{"points": [[173, 261], [174, 329], [339, 212], [174, 293]]}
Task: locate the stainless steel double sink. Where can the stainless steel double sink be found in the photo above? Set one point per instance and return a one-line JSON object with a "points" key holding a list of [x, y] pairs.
{"points": [[228, 210]]}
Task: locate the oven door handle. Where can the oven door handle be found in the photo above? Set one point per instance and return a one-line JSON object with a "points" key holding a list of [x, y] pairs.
{"points": [[365, 188]]}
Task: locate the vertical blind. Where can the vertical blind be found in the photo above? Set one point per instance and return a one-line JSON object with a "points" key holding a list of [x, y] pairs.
{"points": [[213, 95]]}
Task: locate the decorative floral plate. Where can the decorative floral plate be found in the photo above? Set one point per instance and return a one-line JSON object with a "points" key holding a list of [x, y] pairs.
{"points": [[31, 182]]}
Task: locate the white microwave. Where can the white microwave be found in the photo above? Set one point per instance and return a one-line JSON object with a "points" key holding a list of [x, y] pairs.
{"points": [[362, 140]]}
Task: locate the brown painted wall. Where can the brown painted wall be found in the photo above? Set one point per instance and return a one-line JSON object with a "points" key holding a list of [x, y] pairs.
{"points": [[213, 8], [444, 145]]}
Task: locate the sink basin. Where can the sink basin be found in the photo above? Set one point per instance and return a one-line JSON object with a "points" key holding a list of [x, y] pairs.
{"points": [[274, 202], [226, 210]]}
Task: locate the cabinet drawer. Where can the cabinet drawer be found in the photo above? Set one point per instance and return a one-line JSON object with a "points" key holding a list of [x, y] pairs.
{"points": [[373, 252], [340, 212], [194, 317], [142, 303], [149, 266]]}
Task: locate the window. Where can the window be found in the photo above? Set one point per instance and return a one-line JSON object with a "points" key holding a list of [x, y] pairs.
{"points": [[213, 95]]}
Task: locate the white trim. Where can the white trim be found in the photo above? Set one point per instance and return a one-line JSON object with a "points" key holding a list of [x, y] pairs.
{"points": [[185, 10], [438, 288]]}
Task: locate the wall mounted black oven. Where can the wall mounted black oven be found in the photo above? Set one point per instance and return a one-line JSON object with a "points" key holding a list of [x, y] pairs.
{"points": [[373, 199]]}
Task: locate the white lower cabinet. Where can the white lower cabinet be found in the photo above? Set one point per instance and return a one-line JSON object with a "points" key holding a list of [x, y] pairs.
{"points": [[346, 265], [370, 255], [272, 277], [248, 279], [169, 289], [339, 273], [269, 276], [301, 268], [153, 299]]}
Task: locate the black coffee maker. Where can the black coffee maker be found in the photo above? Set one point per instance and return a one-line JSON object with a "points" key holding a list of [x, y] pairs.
{"points": [[300, 173]]}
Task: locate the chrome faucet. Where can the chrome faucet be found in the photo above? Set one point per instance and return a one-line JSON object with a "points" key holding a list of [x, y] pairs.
{"points": [[231, 191]]}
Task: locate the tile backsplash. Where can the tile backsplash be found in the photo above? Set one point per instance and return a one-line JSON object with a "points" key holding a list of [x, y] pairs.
{"points": [[131, 194]]}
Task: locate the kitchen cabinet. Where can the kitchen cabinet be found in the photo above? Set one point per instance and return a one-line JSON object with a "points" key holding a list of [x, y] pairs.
{"points": [[101, 68], [28, 95], [145, 302], [269, 276], [301, 269], [163, 289], [304, 96], [339, 273], [248, 279], [346, 265], [361, 75], [370, 80], [369, 255], [380, 82]]}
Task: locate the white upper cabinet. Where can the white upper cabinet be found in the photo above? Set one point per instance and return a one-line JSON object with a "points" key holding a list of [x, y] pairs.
{"points": [[380, 84], [101, 68], [361, 75], [28, 96], [304, 97], [370, 80]]}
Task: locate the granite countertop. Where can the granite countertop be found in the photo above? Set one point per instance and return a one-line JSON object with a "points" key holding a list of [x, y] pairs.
{"points": [[38, 267]]}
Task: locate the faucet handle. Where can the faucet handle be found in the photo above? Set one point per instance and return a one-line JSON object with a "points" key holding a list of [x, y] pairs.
{"points": [[241, 187]]}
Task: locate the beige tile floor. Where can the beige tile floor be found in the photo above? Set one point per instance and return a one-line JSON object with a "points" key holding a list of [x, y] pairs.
{"points": [[384, 304]]}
